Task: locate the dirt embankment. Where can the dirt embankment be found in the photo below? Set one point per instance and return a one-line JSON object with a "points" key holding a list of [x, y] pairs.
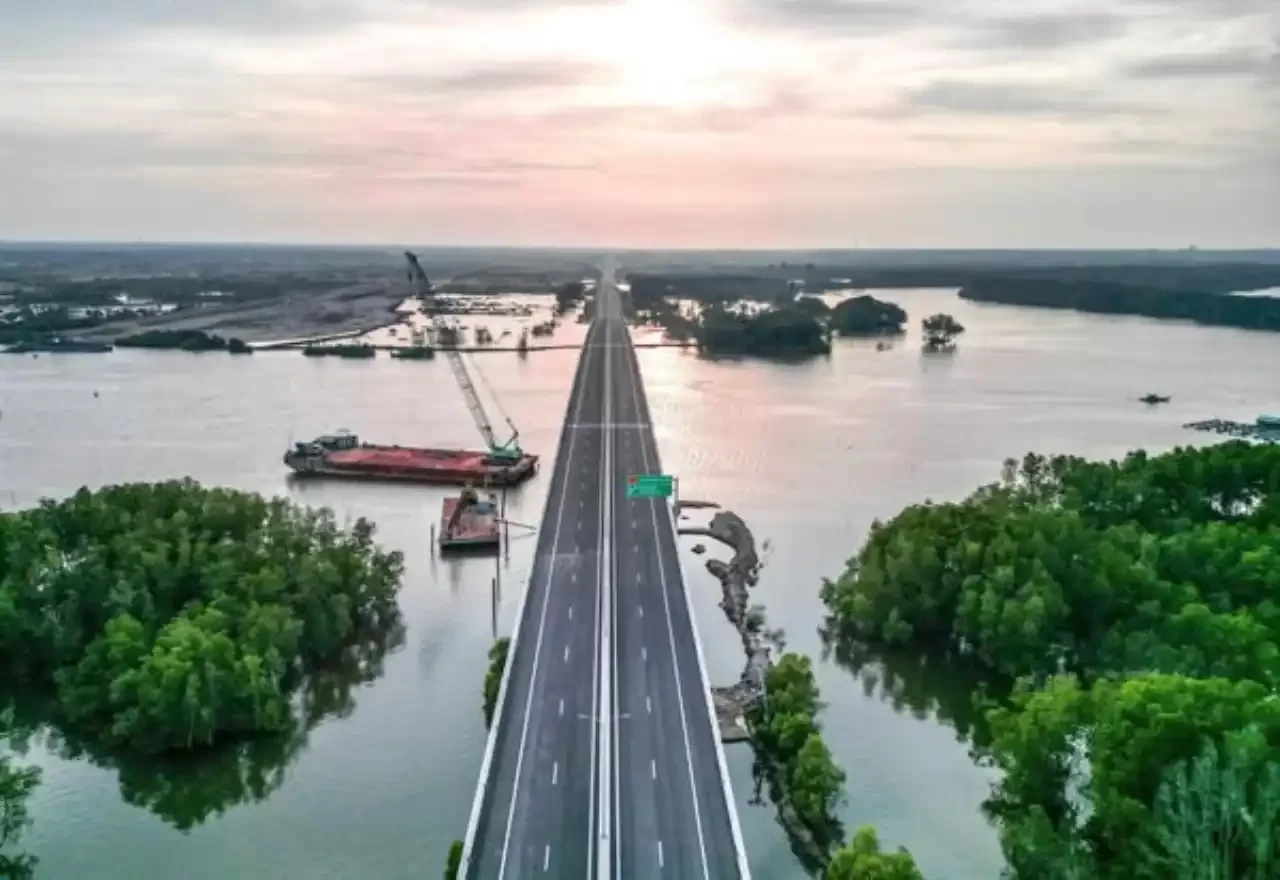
{"points": [[736, 578], [341, 310]]}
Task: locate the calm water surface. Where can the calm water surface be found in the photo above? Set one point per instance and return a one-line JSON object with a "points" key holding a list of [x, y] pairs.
{"points": [[808, 454]]}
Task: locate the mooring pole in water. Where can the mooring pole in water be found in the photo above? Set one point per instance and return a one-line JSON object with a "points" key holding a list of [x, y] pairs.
{"points": [[506, 528], [494, 603], [433, 540]]}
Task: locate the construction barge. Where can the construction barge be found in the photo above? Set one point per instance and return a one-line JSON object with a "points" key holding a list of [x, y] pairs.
{"points": [[343, 455], [469, 523]]}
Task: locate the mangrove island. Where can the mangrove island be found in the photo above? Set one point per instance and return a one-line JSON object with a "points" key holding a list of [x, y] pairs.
{"points": [[1133, 604]]}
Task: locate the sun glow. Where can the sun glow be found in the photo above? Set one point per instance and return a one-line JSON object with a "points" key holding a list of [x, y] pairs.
{"points": [[670, 54]]}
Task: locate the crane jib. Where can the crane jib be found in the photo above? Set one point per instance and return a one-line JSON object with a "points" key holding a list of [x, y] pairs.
{"points": [[509, 451]]}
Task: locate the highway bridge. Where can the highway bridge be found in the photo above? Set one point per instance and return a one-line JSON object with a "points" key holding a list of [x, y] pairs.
{"points": [[604, 759]]}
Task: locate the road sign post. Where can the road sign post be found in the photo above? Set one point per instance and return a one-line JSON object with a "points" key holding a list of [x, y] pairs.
{"points": [[650, 486]]}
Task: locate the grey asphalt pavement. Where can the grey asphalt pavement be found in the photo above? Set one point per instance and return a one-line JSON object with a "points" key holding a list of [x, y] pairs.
{"points": [[604, 742], [538, 812]]}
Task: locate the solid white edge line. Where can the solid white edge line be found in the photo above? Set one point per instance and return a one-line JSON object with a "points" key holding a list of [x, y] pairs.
{"points": [[735, 827], [486, 762]]}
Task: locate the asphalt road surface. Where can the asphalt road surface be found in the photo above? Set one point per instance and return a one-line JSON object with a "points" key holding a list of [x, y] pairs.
{"points": [[538, 812], [671, 811], [604, 762]]}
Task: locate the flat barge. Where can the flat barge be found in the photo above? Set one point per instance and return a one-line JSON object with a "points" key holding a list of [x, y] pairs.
{"points": [[469, 524], [343, 455]]}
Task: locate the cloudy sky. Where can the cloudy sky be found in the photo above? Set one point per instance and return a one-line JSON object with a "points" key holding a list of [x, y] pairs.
{"points": [[688, 123]]}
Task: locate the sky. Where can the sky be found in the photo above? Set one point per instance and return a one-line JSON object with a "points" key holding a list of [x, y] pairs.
{"points": [[643, 123]]}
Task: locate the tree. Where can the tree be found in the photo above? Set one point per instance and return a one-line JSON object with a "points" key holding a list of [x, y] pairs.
{"points": [[1218, 815], [454, 864], [172, 617], [1134, 602], [863, 859], [493, 677], [867, 316], [16, 785], [940, 332]]}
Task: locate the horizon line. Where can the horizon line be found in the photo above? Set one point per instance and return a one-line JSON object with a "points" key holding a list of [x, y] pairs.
{"points": [[1185, 249]]}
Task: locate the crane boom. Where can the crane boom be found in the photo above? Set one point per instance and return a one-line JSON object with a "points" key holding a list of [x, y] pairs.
{"points": [[508, 451]]}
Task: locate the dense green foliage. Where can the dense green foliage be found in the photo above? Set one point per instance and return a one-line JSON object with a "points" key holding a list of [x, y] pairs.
{"points": [[1111, 298], [454, 864], [773, 332], [798, 766], [184, 340], [863, 859], [867, 316], [1136, 601], [813, 306], [708, 287], [171, 616], [28, 324], [569, 295], [16, 785], [493, 677], [343, 351], [940, 332]]}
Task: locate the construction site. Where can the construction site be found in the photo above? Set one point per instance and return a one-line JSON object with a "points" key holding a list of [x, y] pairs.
{"points": [[468, 521]]}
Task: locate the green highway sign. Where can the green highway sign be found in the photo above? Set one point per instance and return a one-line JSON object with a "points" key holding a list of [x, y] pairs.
{"points": [[650, 486]]}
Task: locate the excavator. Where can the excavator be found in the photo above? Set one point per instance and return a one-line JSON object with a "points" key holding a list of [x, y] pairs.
{"points": [[500, 451]]}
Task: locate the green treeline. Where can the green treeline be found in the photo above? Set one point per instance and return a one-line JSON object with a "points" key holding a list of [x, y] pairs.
{"points": [[493, 677], [1113, 298], [32, 325], [785, 332], [358, 351], [867, 316], [569, 295], [1137, 604], [414, 353], [176, 289], [711, 287], [797, 765], [16, 786], [171, 616], [184, 340]]}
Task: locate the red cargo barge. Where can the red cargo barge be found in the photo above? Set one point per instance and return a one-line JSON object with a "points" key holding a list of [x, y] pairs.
{"points": [[343, 455]]}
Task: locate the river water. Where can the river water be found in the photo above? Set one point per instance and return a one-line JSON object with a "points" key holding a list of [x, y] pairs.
{"points": [[809, 454]]}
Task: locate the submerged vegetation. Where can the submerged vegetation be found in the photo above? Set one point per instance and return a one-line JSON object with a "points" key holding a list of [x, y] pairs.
{"points": [[183, 340], [16, 786], [171, 616], [1136, 604], [1202, 306], [144, 622], [414, 353], [792, 758], [867, 316], [784, 332], [359, 351], [454, 862], [493, 677], [940, 332]]}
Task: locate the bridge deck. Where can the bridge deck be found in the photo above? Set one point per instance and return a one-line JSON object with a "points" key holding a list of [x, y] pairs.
{"points": [[604, 760]]}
